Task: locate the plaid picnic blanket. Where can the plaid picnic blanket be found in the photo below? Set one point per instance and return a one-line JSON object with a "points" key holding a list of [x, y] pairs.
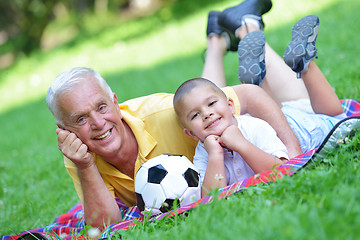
{"points": [[71, 224]]}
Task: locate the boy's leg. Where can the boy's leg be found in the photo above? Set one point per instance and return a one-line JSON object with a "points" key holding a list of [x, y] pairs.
{"points": [[322, 96], [219, 41], [299, 56], [280, 81], [213, 67]]}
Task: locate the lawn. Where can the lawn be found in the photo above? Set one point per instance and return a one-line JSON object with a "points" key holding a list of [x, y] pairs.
{"points": [[156, 54]]}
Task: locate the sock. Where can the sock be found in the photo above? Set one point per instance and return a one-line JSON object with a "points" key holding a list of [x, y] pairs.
{"points": [[228, 40], [250, 19]]}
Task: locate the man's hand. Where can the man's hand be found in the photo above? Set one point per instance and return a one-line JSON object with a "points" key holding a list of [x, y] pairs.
{"points": [[99, 205], [74, 149]]}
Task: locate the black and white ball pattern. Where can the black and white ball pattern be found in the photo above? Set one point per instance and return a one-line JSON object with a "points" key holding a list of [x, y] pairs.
{"points": [[163, 179]]}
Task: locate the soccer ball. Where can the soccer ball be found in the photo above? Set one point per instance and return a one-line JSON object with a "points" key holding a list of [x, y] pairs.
{"points": [[164, 180]]}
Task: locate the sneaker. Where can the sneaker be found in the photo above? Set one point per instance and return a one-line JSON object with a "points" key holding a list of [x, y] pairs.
{"points": [[233, 18], [251, 52], [301, 50], [213, 28]]}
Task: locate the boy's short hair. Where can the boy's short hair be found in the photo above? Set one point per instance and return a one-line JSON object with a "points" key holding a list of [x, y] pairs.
{"points": [[187, 86]]}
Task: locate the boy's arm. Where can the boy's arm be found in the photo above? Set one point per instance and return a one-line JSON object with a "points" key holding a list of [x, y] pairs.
{"points": [[215, 170], [255, 101], [257, 159]]}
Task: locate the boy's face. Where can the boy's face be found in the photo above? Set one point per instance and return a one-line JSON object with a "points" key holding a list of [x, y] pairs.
{"points": [[206, 112]]}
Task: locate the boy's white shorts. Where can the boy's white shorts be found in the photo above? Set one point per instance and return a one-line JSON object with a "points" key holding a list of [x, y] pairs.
{"points": [[309, 127]]}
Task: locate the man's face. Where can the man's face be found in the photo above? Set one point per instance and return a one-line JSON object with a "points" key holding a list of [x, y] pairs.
{"points": [[95, 119], [205, 112]]}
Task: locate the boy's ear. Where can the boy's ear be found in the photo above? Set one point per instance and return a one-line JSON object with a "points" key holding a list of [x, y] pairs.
{"points": [[231, 104], [189, 133]]}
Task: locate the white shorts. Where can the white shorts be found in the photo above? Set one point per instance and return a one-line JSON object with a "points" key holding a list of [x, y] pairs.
{"points": [[309, 127]]}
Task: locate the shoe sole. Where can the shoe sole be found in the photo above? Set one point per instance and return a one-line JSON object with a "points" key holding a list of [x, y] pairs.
{"points": [[301, 50], [251, 53]]}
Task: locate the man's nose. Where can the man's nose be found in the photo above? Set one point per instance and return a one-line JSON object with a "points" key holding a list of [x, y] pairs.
{"points": [[97, 121]]}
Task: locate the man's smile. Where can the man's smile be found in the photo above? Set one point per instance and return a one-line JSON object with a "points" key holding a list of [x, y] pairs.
{"points": [[104, 136]]}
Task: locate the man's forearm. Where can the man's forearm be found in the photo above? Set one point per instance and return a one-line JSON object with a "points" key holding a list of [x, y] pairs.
{"points": [[100, 207]]}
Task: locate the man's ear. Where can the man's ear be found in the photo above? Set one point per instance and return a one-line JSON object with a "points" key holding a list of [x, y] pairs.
{"points": [[189, 133], [231, 105], [116, 101]]}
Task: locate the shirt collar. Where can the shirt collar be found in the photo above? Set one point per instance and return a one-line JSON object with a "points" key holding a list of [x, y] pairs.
{"points": [[145, 141], [146, 144]]}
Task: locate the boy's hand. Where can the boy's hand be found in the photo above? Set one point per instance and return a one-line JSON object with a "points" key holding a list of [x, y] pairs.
{"points": [[74, 149], [212, 145], [232, 138]]}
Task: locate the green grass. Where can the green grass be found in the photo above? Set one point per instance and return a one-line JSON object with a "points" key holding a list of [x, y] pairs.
{"points": [[320, 202], [156, 54]]}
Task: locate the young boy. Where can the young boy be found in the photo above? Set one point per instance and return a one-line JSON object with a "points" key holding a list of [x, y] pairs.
{"points": [[231, 149]]}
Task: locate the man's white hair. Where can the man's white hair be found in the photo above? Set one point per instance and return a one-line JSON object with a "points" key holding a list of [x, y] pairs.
{"points": [[65, 81]]}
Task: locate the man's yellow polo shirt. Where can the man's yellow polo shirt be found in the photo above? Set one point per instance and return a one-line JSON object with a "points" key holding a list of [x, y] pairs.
{"points": [[157, 130]]}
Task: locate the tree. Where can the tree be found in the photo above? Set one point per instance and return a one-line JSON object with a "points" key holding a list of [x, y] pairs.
{"points": [[24, 21]]}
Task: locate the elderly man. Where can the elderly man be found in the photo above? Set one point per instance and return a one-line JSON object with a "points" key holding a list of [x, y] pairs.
{"points": [[105, 143]]}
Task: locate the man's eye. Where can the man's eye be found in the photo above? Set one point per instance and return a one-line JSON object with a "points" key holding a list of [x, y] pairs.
{"points": [[81, 121], [102, 108]]}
